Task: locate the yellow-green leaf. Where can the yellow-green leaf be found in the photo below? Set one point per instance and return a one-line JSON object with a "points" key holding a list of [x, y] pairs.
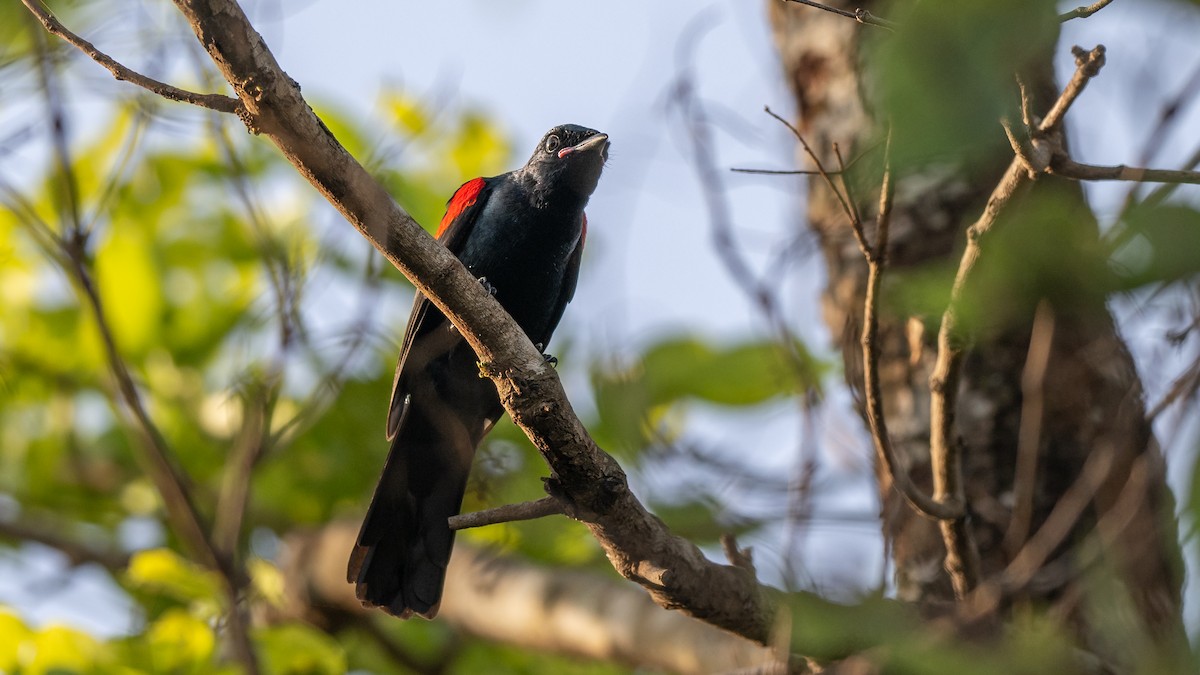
{"points": [[164, 571], [131, 284]]}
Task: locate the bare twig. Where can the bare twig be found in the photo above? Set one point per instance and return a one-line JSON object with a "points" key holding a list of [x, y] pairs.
{"points": [[721, 224], [1084, 12], [539, 508], [876, 262], [780, 172], [851, 213], [855, 215], [1064, 166], [77, 551], [1087, 66], [72, 227], [252, 441], [217, 102], [860, 15], [1030, 430]]}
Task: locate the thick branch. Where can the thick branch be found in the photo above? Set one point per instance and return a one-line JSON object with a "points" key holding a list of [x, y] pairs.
{"points": [[588, 481], [216, 102]]}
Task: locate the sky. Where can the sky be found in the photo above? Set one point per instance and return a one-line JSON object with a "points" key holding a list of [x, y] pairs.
{"points": [[651, 268]]}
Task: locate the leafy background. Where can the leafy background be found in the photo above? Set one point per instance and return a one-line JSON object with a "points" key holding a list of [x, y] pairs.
{"points": [[226, 279]]}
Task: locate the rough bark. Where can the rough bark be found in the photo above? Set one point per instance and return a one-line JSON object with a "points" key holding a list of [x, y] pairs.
{"points": [[1091, 399]]}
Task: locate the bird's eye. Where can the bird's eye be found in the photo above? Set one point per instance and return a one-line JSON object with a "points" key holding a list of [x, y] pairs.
{"points": [[552, 143]]}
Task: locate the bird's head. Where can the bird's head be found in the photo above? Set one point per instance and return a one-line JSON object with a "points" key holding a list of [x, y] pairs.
{"points": [[568, 158]]}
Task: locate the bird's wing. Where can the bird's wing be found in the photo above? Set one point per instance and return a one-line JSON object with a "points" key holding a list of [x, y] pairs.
{"points": [[461, 213], [570, 279]]}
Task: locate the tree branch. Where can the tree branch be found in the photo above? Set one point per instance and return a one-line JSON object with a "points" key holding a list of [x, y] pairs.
{"points": [[1064, 166], [1084, 12], [216, 102], [952, 343], [546, 506], [876, 262], [860, 15], [588, 481], [77, 551]]}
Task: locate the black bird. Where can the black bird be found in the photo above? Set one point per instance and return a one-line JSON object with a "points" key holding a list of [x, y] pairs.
{"points": [[522, 234]]}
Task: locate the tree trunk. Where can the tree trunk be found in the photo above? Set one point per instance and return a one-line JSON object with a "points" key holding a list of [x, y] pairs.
{"points": [[1091, 408]]}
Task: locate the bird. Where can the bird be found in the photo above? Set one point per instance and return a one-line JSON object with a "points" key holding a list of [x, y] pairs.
{"points": [[521, 234]]}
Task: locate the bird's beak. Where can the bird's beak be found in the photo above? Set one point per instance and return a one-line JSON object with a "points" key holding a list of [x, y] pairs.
{"points": [[598, 141]]}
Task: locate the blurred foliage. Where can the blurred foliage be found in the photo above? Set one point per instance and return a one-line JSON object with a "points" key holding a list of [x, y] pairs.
{"points": [[203, 240], [946, 76], [203, 245]]}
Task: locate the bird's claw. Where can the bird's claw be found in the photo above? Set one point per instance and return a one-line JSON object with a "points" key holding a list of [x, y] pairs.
{"points": [[487, 286], [552, 360]]}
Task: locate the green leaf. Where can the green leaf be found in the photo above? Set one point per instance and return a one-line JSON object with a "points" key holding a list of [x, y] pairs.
{"points": [[479, 148], [129, 281], [164, 571], [180, 643], [636, 399], [407, 112], [59, 650], [946, 76], [1163, 245], [297, 648]]}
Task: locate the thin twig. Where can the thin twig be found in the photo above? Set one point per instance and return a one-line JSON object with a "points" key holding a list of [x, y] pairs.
{"points": [[855, 223], [860, 15], [1064, 166], [78, 552], [856, 215], [1030, 430], [1087, 66], [780, 172], [539, 508], [218, 102], [250, 445], [1084, 12], [876, 262], [72, 227], [721, 220]]}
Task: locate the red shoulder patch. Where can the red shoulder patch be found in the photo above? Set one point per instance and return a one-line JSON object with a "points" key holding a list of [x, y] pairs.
{"points": [[463, 198]]}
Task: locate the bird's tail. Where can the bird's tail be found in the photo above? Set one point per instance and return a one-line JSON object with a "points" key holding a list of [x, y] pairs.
{"points": [[399, 562]]}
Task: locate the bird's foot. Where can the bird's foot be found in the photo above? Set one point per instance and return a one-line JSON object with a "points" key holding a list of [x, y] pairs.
{"points": [[552, 360], [487, 286]]}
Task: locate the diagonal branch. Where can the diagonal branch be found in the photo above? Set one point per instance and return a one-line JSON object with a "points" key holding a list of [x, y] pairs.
{"points": [[1084, 12], [217, 102], [589, 482], [860, 15]]}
